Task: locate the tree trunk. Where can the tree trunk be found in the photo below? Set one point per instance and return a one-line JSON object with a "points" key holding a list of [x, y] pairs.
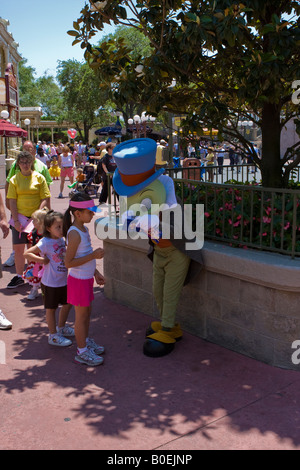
{"points": [[86, 129], [271, 165]]}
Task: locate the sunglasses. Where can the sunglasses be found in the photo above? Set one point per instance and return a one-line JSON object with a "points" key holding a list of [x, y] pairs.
{"points": [[25, 162]]}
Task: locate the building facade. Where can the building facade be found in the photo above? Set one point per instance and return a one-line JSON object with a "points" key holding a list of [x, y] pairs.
{"points": [[9, 78]]}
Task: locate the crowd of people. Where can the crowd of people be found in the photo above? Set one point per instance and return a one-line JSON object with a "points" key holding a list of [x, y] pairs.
{"points": [[209, 153], [235, 154], [39, 235], [212, 154], [75, 162]]}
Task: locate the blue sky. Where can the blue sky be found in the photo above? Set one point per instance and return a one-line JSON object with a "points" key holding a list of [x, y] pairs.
{"points": [[40, 28]]}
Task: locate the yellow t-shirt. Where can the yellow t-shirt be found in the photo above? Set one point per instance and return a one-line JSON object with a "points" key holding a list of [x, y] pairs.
{"points": [[210, 158], [28, 191], [159, 155], [103, 153]]}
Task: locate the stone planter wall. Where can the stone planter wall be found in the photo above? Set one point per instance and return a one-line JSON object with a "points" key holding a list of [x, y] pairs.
{"points": [[244, 300]]}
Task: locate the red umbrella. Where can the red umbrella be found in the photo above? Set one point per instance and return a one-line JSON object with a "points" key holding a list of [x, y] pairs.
{"points": [[7, 129]]}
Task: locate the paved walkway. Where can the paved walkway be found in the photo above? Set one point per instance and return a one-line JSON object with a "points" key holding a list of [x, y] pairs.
{"points": [[201, 396]]}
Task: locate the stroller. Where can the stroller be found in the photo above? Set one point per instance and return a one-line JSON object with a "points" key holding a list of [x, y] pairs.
{"points": [[88, 186]]}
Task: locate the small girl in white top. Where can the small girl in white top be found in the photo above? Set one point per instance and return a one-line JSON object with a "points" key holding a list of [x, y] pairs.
{"points": [[80, 259], [66, 162], [50, 252]]}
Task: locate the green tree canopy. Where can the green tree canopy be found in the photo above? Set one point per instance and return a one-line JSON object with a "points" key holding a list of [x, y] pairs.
{"points": [[81, 95], [231, 61], [42, 91], [49, 96], [138, 46], [27, 85]]}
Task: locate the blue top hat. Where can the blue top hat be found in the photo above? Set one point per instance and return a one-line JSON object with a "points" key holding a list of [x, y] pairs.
{"points": [[135, 160]]}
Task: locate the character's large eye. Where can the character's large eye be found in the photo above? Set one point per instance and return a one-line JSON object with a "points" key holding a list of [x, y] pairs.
{"points": [[147, 203]]}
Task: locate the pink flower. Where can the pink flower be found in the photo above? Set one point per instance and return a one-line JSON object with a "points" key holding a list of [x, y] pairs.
{"points": [[207, 214], [266, 220]]}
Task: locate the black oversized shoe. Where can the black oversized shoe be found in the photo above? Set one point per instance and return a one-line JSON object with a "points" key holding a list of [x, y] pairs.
{"points": [[176, 331], [159, 344]]}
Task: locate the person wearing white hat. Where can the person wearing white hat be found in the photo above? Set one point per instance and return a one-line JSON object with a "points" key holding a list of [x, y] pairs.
{"points": [[160, 161], [102, 149], [100, 154]]}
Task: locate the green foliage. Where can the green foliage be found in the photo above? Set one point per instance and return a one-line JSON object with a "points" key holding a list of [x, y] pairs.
{"points": [[27, 85], [247, 216], [49, 96], [231, 61], [42, 91], [81, 94]]}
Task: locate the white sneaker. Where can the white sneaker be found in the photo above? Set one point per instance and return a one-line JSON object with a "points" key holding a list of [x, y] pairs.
{"points": [[58, 340], [65, 331], [10, 261], [98, 350], [4, 323], [34, 293], [89, 358]]}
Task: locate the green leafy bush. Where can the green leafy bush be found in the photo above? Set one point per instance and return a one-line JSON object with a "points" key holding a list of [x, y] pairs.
{"points": [[247, 215]]}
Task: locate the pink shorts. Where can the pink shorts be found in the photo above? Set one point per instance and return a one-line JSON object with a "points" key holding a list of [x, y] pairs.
{"points": [[69, 171], [80, 291]]}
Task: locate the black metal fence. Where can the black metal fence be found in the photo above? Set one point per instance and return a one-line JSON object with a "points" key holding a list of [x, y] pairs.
{"points": [[241, 215], [247, 216]]}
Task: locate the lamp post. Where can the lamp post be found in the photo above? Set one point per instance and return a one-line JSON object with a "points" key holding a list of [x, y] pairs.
{"points": [[27, 124], [140, 123], [130, 123], [137, 121], [244, 125], [5, 115]]}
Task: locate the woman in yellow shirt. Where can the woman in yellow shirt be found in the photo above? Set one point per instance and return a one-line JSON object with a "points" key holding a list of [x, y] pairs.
{"points": [[27, 192], [210, 161]]}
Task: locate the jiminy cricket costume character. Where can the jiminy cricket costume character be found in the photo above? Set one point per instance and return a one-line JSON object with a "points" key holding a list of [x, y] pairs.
{"points": [[173, 265]]}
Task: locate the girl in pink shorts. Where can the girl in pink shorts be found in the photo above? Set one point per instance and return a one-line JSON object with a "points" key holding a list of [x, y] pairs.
{"points": [[66, 162], [80, 259]]}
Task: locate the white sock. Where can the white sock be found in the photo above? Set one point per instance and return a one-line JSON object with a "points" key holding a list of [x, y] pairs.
{"points": [[81, 350]]}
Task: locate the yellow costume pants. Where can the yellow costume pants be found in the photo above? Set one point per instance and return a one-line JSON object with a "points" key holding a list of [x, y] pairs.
{"points": [[170, 268]]}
